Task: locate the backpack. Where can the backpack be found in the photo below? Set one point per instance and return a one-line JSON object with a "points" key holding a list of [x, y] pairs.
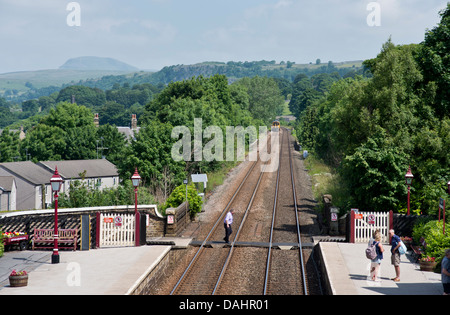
{"points": [[402, 248], [371, 251]]}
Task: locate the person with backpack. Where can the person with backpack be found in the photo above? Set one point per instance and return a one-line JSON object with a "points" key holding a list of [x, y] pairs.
{"points": [[376, 261]]}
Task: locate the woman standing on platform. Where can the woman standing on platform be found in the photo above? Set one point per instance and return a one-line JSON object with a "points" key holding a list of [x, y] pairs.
{"points": [[376, 262]]}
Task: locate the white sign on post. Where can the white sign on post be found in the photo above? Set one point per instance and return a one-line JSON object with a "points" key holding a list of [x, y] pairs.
{"points": [[118, 221], [334, 217]]}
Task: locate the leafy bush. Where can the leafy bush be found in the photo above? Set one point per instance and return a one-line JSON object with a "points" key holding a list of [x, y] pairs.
{"points": [[1, 243], [83, 195], [436, 241], [178, 196]]}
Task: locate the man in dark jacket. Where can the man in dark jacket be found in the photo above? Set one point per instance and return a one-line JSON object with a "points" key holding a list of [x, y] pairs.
{"points": [[395, 258]]}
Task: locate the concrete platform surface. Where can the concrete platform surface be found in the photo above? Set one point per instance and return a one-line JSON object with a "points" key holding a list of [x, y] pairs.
{"points": [[109, 271], [349, 273]]}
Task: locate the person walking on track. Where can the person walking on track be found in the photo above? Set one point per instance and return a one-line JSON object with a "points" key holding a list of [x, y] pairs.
{"points": [[227, 224]]}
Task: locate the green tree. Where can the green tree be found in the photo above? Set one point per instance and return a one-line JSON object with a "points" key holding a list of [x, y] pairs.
{"points": [[113, 113], [44, 143], [265, 99], [151, 154], [375, 172], [6, 117], [82, 195], [2, 246], [372, 129], [435, 63], [9, 146], [31, 106], [178, 196], [89, 97], [113, 143], [67, 133]]}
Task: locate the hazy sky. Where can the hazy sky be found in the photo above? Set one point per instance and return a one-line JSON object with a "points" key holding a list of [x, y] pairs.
{"points": [[151, 34]]}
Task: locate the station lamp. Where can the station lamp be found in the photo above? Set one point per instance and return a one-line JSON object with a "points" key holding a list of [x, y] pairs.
{"points": [[409, 178], [56, 182]]}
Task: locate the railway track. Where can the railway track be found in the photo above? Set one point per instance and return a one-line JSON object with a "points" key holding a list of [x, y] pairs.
{"points": [[285, 272], [252, 263], [201, 275]]}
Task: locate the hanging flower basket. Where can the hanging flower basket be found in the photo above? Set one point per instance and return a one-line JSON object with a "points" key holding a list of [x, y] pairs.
{"points": [[18, 279]]}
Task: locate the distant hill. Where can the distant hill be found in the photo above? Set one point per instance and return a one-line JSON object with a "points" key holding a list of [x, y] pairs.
{"points": [[21, 86], [97, 63], [233, 71]]}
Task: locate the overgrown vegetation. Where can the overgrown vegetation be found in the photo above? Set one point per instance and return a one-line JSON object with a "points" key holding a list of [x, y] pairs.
{"points": [[2, 246], [432, 232], [83, 195], [178, 196], [370, 129]]}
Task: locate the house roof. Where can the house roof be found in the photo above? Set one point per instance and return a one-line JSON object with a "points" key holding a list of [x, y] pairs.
{"points": [[6, 183], [130, 134], [73, 169], [28, 171]]}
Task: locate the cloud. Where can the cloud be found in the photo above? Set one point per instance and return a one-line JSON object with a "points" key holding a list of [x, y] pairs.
{"points": [[156, 33]]}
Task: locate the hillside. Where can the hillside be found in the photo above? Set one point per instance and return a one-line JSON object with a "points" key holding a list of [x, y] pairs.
{"points": [[97, 63], [233, 71], [21, 86]]}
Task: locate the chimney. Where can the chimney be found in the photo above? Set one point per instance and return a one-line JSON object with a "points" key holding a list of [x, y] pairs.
{"points": [[96, 120], [133, 122]]}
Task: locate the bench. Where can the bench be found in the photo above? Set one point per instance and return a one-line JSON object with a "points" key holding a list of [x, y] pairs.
{"points": [[65, 236], [420, 249]]}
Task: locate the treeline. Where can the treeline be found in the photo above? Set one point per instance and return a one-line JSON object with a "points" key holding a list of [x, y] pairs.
{"points": [[233, 70], [372, 129], [68, 132], [250, 101], [114, 106]]}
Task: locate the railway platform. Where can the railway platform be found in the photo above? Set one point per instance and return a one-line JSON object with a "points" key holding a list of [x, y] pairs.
{"points": [[348, 269], [108, 271], [117, 271]]}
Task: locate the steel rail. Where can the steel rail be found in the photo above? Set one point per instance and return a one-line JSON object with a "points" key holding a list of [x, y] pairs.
{"points": [[213, 229], [266, 278], [298, 222], [230, 253]]}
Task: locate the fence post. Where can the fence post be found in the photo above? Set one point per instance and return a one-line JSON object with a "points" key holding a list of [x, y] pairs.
{"points": [[97, 232], [391, 223], [352, 226], [137, 225]]}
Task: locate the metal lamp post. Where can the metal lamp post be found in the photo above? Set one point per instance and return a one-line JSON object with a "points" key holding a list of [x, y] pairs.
{"points": [[135, 179], [409, 178], [56, 182]]}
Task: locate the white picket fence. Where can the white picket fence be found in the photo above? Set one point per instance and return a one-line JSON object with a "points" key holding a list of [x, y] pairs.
{"points": [[116, 230], [363, 228]]}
